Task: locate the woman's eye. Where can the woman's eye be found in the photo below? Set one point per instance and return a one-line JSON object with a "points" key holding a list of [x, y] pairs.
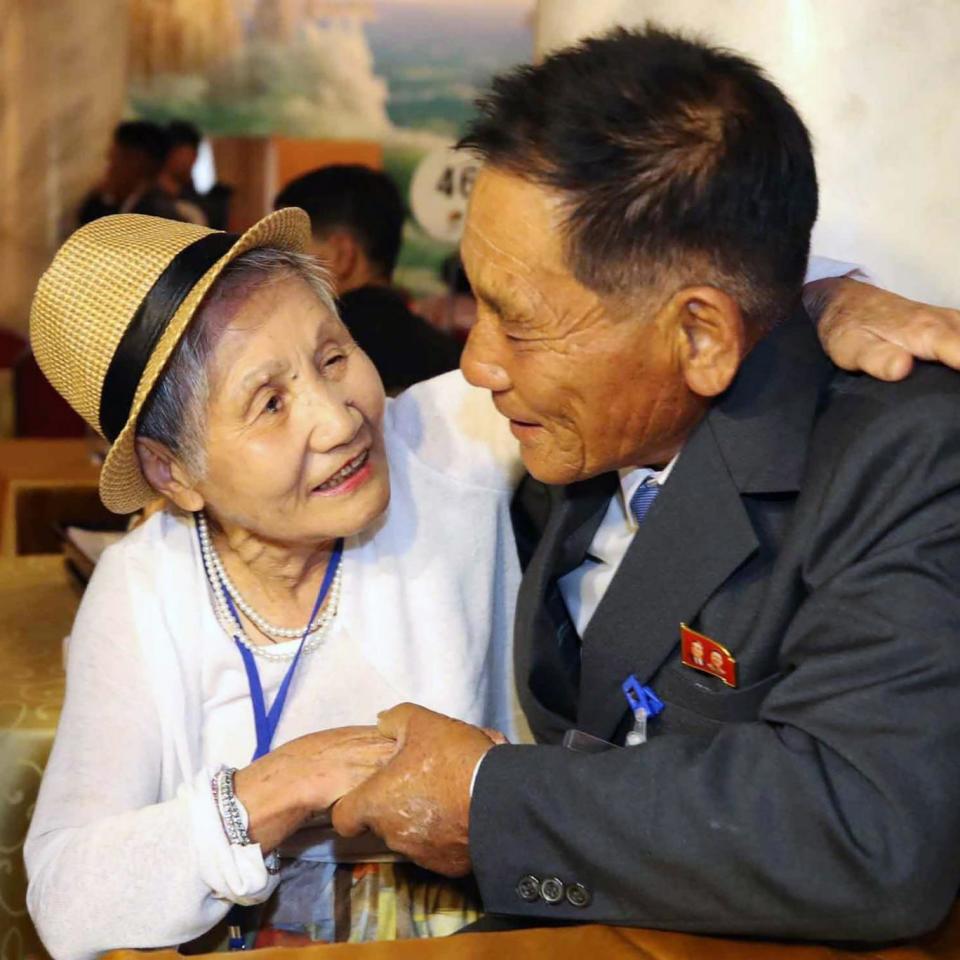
{"points": [[274, 404], [334, 359]]}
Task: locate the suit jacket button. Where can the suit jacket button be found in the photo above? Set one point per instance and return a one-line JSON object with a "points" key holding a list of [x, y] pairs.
{"points": [[528, 888], [578, 895], [551, 890]]}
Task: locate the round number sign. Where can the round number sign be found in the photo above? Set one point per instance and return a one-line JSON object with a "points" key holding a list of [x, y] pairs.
{"points": [[439, 192]]}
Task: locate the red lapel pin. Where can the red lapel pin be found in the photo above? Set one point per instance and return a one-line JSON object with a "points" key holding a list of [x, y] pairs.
{"points": [[699, 652]]}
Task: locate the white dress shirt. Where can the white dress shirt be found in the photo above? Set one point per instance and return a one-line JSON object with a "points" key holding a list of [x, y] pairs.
{"points": [[583, 589]]}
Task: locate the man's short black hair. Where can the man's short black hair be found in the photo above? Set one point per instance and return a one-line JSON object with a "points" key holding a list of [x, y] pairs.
{"points": [[351, 197], [668, 153], [149, 138], [180, 133]]}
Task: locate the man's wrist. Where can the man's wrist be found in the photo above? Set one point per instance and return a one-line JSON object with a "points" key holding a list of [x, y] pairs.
{"points": [[476, 771], [816, 296]]}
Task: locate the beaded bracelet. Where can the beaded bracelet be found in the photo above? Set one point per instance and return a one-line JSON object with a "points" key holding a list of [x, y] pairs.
{"points": [[231, 812], [232, 816]]}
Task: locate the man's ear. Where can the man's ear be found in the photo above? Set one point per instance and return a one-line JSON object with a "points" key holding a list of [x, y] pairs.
{"points": [[340, 253], [167, 476], [712, 338]]}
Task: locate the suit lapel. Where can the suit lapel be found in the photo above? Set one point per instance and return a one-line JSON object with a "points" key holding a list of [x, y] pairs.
{"points": [[697, 533], [547, 692], [695, 536]]}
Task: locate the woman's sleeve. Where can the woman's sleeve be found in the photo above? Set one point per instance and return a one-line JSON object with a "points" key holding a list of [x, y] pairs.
{"points": [[109, 866], [453, 428]]}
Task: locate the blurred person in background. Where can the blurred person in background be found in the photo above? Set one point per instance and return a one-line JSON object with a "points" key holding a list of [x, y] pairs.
{"points": [[183, 146], [175, 180], [171, 194], [134, 160], [148, 171], [209, 207], [356, 215], [455, 310]]}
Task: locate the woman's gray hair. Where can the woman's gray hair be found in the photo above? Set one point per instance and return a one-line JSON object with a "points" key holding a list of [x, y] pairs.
{"points": [[174, 413]]}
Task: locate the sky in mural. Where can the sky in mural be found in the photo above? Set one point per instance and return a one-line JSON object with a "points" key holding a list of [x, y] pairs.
{"points": [[384, 70], [404, 73]]}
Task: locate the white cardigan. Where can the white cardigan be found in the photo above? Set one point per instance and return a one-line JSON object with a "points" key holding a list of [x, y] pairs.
{"points": [[126, 848]]}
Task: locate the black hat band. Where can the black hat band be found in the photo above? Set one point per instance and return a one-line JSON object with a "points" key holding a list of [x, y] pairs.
{"points": [[153, 316]]}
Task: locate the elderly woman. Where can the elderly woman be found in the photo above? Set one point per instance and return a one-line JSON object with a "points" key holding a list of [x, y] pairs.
{"points": [[329, 556]]}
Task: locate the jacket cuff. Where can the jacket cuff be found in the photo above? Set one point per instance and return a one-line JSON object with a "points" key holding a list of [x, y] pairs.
{"points": [[520, 864]]}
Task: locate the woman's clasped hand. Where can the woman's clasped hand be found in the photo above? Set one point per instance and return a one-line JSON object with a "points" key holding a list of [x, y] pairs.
{"points": [[304, 777]]}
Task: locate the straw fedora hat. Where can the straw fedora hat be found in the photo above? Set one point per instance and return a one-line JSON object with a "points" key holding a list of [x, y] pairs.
{"points": [[112, 307]]}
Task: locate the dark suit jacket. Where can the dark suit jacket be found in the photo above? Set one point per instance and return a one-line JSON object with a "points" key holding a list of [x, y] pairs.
{"points": [[812, 526]]}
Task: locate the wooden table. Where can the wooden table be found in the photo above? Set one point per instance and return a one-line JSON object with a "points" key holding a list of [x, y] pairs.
{"points": [[597, 943], [45, 470], [38, 601]]}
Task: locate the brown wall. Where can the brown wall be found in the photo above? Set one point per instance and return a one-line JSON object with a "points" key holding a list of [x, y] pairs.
{"points": [[257, 167], [62, 88]]}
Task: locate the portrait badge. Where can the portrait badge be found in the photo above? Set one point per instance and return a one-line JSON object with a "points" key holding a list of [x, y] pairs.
{"points": [[700, 652]]}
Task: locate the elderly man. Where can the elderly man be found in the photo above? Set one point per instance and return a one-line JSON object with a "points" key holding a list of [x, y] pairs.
{"points": [[761, 551]]}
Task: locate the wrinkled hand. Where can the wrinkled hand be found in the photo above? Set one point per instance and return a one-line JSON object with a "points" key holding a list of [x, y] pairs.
{"points": [[864, 328], [420, 802], [306, 775]]}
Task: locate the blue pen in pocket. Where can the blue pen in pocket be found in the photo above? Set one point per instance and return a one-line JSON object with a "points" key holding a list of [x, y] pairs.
{"points": [[644, 704]]}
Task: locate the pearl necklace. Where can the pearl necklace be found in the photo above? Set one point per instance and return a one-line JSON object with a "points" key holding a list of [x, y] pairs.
{"points": [[283, 633], [218, 580]]}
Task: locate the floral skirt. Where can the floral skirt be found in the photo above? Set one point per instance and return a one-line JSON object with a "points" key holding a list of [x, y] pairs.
{"points": [[344, 902]]}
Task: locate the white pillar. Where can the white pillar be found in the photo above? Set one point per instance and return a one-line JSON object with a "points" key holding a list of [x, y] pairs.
{"points": [[877, 82]]}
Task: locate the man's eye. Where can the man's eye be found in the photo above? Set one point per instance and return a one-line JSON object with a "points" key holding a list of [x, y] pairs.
{"points": [[274, 404]]}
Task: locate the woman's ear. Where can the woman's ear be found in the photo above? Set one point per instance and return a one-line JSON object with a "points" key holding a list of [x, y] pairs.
{"points": [[167, 476], [713, 338]]}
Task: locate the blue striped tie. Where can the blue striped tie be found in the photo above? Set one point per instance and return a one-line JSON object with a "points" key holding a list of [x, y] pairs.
{"points": [[643, 498]]}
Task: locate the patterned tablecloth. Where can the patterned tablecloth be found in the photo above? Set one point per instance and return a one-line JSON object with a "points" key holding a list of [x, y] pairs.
{"points": [[38, 600]]}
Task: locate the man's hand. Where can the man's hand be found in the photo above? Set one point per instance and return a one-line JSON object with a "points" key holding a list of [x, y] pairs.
{"points": [[864, 328], [420, 802]]}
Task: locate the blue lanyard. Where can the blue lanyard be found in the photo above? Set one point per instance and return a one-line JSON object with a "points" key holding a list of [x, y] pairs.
{"points": [[266, 722]]}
